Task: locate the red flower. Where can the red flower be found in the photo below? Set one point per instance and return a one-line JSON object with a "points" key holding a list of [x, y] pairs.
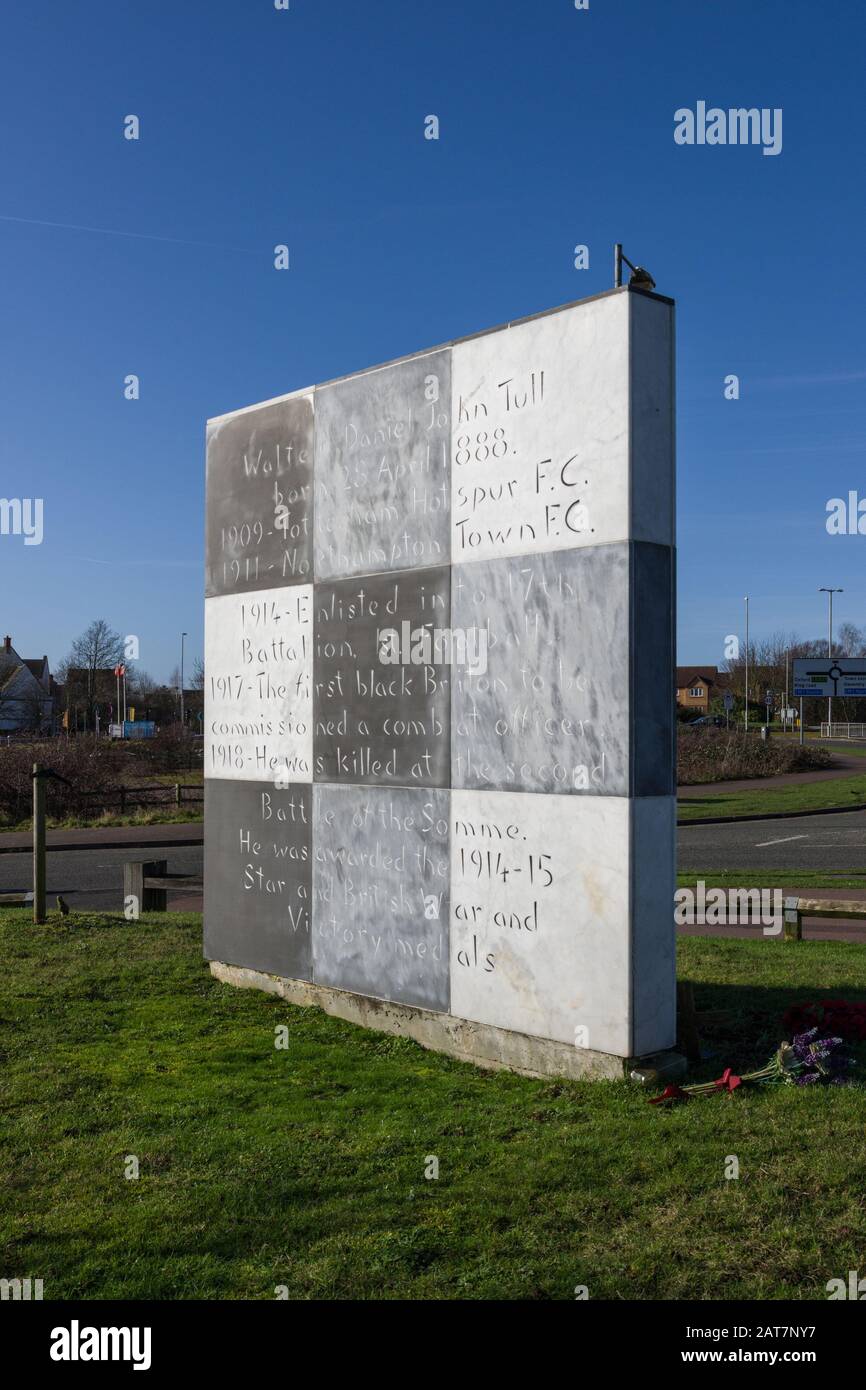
{"points": [[832, 1018], [671, 1093], [728, 1081]]}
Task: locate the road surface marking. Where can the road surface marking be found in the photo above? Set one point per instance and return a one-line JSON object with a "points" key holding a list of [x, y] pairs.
{"points": [[787, 840]]}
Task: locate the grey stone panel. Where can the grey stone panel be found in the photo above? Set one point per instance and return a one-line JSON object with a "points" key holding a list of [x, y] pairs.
{"points": [[387, 724], [258, 876], [381, 893], [653, 661], [259, 529], [550, 714], [383, 469]]}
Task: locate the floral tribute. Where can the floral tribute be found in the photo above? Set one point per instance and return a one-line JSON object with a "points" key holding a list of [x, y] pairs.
{"points": [[831, 1018], [806, 1060]]}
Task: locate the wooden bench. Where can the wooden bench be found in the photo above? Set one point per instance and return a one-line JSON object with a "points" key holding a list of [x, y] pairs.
{"points": [[798, 908], [147, 884]]}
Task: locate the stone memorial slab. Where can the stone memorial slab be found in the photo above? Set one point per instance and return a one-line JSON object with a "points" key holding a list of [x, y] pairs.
{"points": [[258, 685], [379, 720], [258, 876], [439, 756], [380, 893], [382, 487], [259, 531]]}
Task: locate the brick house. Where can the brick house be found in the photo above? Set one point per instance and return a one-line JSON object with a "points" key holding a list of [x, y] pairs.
{"points": [[698, 686]]}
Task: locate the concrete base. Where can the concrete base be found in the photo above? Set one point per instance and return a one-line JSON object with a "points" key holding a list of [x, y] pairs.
{"points": [[478, 1043]]}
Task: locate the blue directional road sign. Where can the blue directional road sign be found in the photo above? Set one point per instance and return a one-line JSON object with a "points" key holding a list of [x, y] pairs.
{"points": [[830, 676]]}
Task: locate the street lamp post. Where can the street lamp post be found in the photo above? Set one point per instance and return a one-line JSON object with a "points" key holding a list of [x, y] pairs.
{"points": [[183, 637], [830, 593], [746, 726]]}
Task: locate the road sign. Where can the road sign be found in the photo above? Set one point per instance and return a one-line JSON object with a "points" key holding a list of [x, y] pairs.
{"points": [[830, 676], [729, 700], [769, 699]]}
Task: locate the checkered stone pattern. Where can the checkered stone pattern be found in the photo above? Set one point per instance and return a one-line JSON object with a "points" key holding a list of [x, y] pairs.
{"points": [[484, 829]]}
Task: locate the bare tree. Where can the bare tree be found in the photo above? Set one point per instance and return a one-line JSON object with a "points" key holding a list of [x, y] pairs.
{"points": [[197, 682], [771, 658], [99, 648], [141, 684], [850, 641]]}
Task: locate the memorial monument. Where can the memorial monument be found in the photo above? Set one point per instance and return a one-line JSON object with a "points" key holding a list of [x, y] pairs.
{"points": [[439, 756]]}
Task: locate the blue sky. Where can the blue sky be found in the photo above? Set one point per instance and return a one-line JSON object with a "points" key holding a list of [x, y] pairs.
{"points": [[306, 127]]}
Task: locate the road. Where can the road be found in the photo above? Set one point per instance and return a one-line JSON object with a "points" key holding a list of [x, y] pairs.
{"points": [[808, 842], [94, 878]]}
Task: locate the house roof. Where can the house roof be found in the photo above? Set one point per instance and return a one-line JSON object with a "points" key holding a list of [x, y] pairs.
{"points": [[687, 675], [11, 673], [10, 662]]}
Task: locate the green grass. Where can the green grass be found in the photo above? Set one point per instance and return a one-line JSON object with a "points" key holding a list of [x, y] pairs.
{"points": [[771, 878], [170, 815], [841, 792], [187, 777], [305, 1167]]}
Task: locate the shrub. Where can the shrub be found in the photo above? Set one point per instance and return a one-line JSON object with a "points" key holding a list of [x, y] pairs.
{"points": [[168, 751], [714, 755], [89, 767]]}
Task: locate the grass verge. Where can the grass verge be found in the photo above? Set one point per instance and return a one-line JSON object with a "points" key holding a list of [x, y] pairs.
{"points": [[841, 793], [305, 1167], [174, 816], [770, 878]]}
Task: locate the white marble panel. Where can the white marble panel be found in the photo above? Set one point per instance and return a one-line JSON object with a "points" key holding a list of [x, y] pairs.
{"points": [[258, 685], [540, 935], [540, 434]]}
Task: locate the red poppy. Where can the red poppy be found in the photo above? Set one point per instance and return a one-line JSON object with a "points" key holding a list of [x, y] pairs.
{"points": [[671, 1093], [728, 1081]]}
